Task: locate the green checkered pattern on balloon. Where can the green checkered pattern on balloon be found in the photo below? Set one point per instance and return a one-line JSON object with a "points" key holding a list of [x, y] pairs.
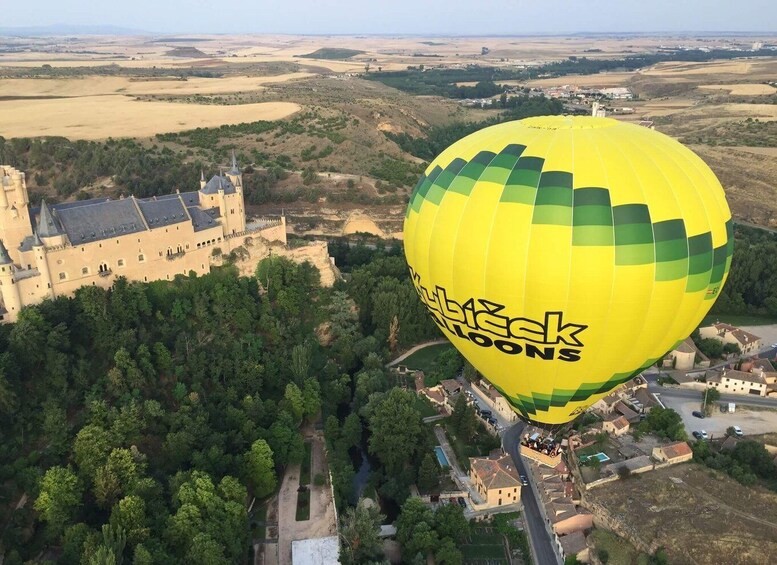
{"points": [[528, 406], [589, 213]]}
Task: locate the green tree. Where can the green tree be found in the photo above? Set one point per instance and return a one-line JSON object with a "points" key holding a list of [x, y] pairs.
{"points": [[449, 522], [59, 498], [428, 474], [395, 427], [311, 398], [360, 534], [293, 402], [129, 515], [709, 397], [260, 469], [301, 356], [91, 448], [448, 554]]}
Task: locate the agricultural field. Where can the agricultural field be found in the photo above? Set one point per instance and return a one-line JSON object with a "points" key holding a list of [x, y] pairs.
{"points": [[335, 134], [485, 546]]}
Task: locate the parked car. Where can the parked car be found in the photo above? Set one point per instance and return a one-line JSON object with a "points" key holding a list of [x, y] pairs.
{"points": [[492, 421], [703, 434], [738, 431], [698, 414], [524, 480], [485, 413], [697, 435], [462, 502]]}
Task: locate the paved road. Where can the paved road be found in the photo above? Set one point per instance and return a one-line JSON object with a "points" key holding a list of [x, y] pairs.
{"points": [[689, 394], [535, 524]]}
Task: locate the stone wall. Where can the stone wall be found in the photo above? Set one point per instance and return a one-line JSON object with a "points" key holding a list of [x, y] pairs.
{"points": [[603, 518], [316, 253]]}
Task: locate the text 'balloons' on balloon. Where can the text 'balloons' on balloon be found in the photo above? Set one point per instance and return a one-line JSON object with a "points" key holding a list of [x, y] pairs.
{"points": [[564, 255]]}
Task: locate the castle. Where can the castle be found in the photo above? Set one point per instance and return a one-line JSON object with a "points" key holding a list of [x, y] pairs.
{"points": [[55, 249]]}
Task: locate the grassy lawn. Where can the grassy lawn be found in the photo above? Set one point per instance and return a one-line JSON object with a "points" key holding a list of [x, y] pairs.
{"points": [[738, 320], [619, 551], [423, 359], [484, 546], [465, 449], [425, 407], [303, 506], [304, 473], [260, 515]]}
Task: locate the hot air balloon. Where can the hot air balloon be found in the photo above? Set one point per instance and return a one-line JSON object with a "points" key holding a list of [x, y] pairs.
{"points": [[564, 255]]}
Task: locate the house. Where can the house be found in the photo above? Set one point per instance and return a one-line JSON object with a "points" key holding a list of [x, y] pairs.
{"points": [[672, 453], [606, 405], [615, 424], [626, 412], [574, 544], [738, 382], [684, 356], [726, 333], [434, 394], [496, 479], [565, 518], [451, 386], [497, 402]]}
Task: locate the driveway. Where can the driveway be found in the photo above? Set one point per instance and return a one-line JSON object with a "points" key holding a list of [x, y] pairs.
{"points": [[322, 511], [480, 399]]}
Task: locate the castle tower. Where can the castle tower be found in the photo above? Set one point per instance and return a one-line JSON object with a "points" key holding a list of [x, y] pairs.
{"points": [[222, 201], [202, 179], [42, 264], [235, 203], [14, 209], [10, 292]]}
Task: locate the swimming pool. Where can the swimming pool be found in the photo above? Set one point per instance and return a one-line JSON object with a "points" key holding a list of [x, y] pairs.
{"points": [[602, 457], [441, 456]]}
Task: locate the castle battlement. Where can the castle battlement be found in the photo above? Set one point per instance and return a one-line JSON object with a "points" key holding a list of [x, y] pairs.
{"points": [[54, 249]]}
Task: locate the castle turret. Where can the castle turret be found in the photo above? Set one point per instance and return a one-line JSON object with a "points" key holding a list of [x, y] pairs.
{"points": [[202, 179], [20, 186], [5, 182], [10, 291], [42, 263], [223, 205]]}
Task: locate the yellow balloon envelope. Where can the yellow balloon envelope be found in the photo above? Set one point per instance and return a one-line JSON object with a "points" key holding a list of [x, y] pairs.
{"points": [[563, 255]]}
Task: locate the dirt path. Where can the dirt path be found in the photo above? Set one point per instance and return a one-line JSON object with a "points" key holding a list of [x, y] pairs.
{"points": [[322, 521], [731, 509], [414, 349]]}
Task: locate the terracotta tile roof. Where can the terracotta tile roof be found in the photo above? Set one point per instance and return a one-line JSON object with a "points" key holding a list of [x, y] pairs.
{"points": [[740, 335], [496, 473], [572, 544], [686, 347], [675, 450], [735, 375], [764, 364], [451, 386], [434, 394], [618, 422]]}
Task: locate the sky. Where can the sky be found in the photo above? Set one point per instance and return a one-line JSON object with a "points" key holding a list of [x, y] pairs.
{"points": [[453, 17]]}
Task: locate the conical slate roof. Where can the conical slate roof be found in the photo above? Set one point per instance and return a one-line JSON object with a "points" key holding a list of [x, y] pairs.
{"points": [[5, 259], [235, 170], [48, 226]]}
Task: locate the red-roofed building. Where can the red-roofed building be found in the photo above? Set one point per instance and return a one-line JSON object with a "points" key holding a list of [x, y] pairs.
{"points": [[616, 425], [726, 333], [677, 452], [496, 479]]}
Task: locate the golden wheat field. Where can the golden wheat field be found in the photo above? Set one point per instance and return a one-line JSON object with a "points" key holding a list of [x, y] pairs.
{"points": [[743, 89], [100, 117]]}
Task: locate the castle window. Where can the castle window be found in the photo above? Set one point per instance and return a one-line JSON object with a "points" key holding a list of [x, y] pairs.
{"points": [[85, 271], [120, 262], [141, 258], [103, 268], [187, 246], [117, 242], [62, 276]]}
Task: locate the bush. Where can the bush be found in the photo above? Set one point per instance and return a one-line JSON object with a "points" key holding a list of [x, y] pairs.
{"points": [[604, 556], [319, 480]]}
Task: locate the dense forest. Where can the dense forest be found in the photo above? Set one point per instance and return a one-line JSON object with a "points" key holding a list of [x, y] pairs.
{"points": [[444, 81], [437, 138], [138, 422], [751, 287]]}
